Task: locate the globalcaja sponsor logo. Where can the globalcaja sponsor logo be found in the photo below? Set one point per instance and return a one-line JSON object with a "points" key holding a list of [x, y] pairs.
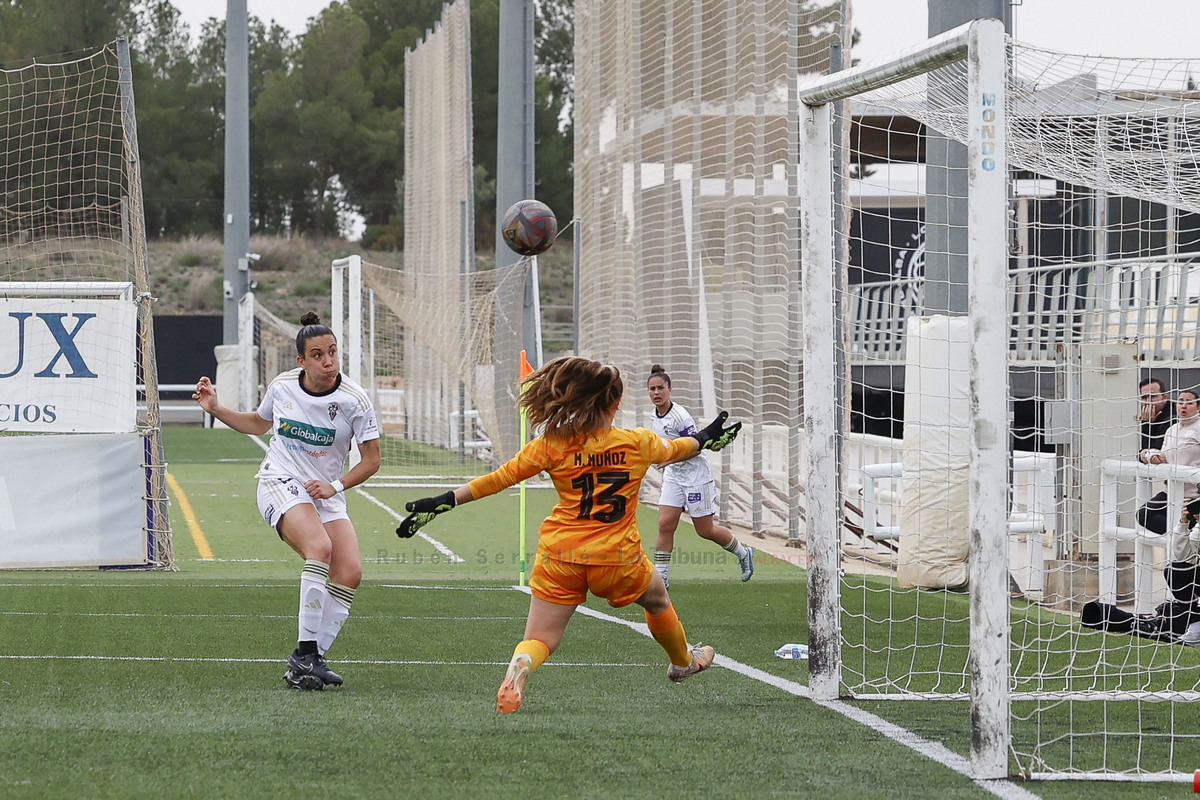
{"points": [[309, 434]]}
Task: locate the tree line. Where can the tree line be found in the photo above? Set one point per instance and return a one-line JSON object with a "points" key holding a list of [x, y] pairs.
{"points": [[326, 108]]}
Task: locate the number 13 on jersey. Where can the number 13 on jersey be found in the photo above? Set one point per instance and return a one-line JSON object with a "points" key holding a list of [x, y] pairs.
{"points": [[610, 484]]}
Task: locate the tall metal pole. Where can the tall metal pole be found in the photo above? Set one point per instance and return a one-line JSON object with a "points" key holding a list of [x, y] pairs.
{"points": [[514, 141], [237, 163], [946, 178]]}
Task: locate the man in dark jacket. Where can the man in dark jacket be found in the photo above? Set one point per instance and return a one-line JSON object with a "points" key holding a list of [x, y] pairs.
{"points": [[1155, 412]]}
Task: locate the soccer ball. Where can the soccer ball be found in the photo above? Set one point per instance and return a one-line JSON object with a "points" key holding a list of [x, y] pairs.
{"points": [[529, 227]]}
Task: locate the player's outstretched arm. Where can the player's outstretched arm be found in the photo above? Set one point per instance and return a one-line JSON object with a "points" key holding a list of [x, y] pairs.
{"points": [[241, 421], [421, 512]]}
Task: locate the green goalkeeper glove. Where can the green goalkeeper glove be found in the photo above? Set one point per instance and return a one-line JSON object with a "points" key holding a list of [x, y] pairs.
{"points": [[421, 513], [715, 436]]}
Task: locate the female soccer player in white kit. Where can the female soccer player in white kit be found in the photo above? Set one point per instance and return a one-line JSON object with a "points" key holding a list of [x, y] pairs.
{"points": [[687, 485], [313, 412]]}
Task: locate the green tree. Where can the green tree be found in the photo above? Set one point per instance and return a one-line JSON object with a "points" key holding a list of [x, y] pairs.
{"points": [[323, 115], [554, 47], [275, 182], [177, 129], [40, 28]]}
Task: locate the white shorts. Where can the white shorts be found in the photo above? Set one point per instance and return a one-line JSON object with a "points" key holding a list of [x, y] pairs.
{"points": [[276, 495], [698, 501]]}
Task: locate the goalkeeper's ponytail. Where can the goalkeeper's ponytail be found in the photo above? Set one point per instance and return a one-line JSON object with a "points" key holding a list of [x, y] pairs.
{"points": [[572, 397]]}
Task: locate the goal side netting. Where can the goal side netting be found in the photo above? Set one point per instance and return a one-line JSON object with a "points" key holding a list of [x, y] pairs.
{"points": [[437, 343], [82, 475]]}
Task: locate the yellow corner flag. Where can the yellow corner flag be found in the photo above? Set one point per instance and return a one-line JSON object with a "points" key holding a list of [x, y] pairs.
{"points": [[526, 369]]}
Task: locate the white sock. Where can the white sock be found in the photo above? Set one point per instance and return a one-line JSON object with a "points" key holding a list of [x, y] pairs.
{"points": [[313, 596], [736, 547], [662, 561], [337, 609]]}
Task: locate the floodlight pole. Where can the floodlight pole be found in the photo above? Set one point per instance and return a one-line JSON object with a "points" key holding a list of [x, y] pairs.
{"points": [[237, 163], [514, 145]]}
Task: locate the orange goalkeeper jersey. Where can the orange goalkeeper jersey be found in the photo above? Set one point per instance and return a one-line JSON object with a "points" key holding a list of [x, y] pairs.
{"points": [[595, 520]]}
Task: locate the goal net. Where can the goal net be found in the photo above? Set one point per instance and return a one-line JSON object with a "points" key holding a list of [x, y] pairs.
{"points": [[685, 193], [437, 343], [81, 465], [1003, 241]]}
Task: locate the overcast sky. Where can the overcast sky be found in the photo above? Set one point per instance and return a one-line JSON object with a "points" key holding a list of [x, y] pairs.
{"points": [[1090, 27], [1146, 28]]}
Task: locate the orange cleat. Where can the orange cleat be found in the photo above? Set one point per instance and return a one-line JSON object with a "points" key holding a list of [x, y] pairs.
{"points": [[508, 699], [702, 658]]}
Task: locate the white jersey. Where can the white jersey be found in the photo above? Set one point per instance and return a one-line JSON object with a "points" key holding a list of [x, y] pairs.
{"points": [[675, 423], [311, 433]]}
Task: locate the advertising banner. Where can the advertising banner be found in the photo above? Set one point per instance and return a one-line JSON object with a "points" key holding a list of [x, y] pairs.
{"points": [[72, 501], [67, 365]]}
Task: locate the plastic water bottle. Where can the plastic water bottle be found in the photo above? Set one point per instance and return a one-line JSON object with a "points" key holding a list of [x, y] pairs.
{"points": [[791, 651]]}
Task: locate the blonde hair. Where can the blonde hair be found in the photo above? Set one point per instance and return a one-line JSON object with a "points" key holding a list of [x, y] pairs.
{"points": [[572, 397]]}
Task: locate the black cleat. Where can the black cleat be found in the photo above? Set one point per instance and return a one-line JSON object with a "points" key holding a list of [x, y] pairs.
{"points": [[305, 682], [322, 671], [309, 673]]}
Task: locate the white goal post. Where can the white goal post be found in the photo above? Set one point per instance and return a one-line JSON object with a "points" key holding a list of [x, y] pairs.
{"points": [[982, 44], [1005, 244]]}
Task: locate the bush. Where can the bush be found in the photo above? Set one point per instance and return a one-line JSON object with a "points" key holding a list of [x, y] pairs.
{"points": [[382, 237]]}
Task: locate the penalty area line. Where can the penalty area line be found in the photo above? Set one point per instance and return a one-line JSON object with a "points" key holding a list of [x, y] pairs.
{"points": [[933, 751]]}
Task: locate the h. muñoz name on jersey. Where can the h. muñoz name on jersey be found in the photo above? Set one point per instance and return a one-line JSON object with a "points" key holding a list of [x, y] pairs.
{"points": [[309, 434], [605, 459]]}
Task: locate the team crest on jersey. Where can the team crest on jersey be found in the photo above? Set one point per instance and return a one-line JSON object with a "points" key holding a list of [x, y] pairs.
{"points": [[333, 411]]}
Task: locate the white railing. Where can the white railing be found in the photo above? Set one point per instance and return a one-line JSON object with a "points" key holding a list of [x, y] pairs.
{"points": [[174, 410], [1032, 505], [1153, 300], [1114, 472]]}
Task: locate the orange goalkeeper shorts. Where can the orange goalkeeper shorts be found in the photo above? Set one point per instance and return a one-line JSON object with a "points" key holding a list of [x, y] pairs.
{"points": [[568, 584]]}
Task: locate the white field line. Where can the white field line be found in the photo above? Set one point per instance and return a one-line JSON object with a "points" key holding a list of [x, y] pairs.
{"points": [[454, 558], [259, 585], [933, 751], [357, 617], [281, 661]]}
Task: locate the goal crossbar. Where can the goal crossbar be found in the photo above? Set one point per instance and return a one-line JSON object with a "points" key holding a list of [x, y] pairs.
{"points": [[945, 48]]}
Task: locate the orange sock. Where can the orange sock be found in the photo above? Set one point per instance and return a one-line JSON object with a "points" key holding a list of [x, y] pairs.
{"points": [[668, 632], [537, 651]]}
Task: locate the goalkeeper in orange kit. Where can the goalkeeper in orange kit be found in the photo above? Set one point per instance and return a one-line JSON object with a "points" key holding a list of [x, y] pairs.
{"points": [[590, 541]]}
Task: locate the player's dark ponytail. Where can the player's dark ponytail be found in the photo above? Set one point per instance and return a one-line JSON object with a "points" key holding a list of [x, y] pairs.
{"points": [[658, 370], [312, 328]]}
